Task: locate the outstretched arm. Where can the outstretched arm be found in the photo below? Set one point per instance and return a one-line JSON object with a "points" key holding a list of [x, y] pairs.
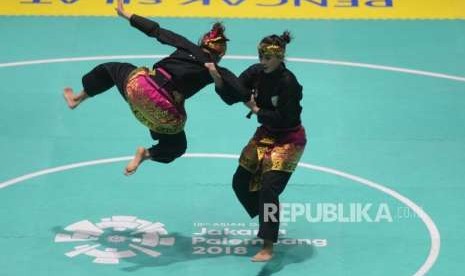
{"points": [[153, 29], [227, 85]]}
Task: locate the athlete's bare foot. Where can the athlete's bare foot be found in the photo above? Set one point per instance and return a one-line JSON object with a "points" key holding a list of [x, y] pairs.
{"points": [[141, 155], [73, 100], [265, 254], [69, 98]]}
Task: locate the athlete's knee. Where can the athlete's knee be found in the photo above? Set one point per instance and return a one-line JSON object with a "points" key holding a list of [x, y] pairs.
{"points": [[172, 154], [179, 150], [164, 160], [236, 183], [241, 179]]}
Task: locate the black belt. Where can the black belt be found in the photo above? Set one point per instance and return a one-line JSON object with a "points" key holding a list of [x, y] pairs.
{"points": [[290, 129], [162, 81]]}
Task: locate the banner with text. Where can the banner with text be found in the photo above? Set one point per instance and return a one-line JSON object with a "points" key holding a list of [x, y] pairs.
{"points": [[277, 9]]}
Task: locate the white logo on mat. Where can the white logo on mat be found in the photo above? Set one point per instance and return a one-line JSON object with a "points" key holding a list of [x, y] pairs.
{"points": [[126, 236]]}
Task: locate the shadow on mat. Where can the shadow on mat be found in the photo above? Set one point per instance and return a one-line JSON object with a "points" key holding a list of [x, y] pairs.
{"points": [[182, 251], [286, 255]]}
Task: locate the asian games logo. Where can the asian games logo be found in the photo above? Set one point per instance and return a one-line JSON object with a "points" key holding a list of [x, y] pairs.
{"points": [[115, 238]]}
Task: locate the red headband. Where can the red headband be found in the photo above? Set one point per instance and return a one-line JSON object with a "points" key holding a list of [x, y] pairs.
{"points": [[215, 40]]}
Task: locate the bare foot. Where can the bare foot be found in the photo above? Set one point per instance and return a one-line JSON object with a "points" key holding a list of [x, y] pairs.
{"points": [[69, 98], [263, 255], [140, 156]]}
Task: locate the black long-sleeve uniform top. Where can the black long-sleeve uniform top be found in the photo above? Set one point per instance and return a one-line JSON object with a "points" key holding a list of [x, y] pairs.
{"points": [[278, 96], [186, 63]]}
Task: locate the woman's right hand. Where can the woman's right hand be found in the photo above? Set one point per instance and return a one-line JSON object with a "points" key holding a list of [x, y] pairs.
{"points": [[252, 104], [121, 12], [211, 67]]}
